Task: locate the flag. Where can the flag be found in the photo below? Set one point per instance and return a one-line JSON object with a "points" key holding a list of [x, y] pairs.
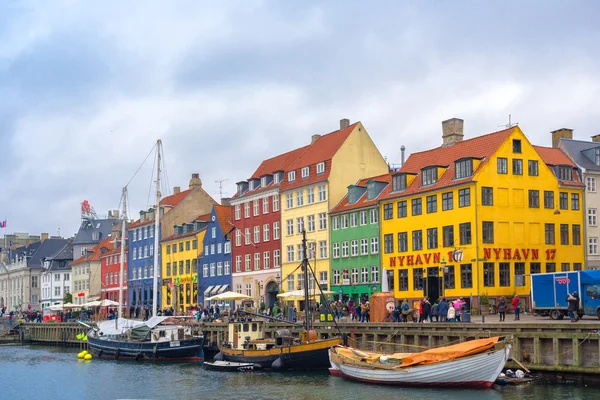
{"points": [[3, 224]]}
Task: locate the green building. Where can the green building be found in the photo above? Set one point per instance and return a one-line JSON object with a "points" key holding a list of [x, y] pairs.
{"points": [[355, 248]]}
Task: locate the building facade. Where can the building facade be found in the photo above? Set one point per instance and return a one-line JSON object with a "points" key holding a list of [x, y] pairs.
{"points": [[256, 252], [140, 260], [111, 270], [215, 260], [313, 185], [586, 154], [355, 251], [478, 217], [87, 273], [56, 276]]}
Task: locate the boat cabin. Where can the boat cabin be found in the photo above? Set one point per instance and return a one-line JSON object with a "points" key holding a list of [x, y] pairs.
{"points": [[170, 333], [250, 335]]}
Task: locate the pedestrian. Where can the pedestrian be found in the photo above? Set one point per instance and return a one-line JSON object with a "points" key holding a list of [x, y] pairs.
{"points": [[146, 313], [515, 305], [218, 311], [368, 312], [573, 301], [363, 311], [420, 318], [339, 307], [451, 313], [425, 310], [502, 308], [435, 309], [405, 310], [443, 310]]}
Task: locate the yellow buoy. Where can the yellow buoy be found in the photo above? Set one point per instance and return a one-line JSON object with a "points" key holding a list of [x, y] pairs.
{"points": [[85, 352], [84, 338], [88, 357], [80, 355]]}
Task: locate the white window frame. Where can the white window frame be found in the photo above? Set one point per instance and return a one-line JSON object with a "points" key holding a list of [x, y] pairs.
{"points": [[289, 224], [265, 205], [374, 274], [322, 221], [257, 261], [299, 198], [592, 217], [275, 202], [335, 223], [310, 195], [238, 212], [291, 176], [255, 209], [257, 234], [267, 259], [219, 268], [344, 223], [364, 247], [590, 183], [266, 233], [322, 249], [336, 276], [247, 262], [227, 249], [363, 218], [247, 209], [247, 236], [238, 263], [300, 224], [336, 250], [305, 172], [320, 168], [354, 248], [289, 200], [227, 268], [345, 249], [593, 246], [276, 258], [353, 220], [322, 193], [238, 237], [310, 223], [290, 253], [276, 231], [364, 274], [375, 245]]}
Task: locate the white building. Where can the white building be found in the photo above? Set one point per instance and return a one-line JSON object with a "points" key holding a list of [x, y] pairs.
{"points": [[56, 276]]}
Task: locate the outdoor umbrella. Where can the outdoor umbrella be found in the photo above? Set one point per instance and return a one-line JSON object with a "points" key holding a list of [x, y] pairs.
{"points": [[226, 296], [300, 293]]}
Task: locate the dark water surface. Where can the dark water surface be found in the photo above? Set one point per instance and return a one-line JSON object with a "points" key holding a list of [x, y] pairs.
{"points": [[51, 373]]}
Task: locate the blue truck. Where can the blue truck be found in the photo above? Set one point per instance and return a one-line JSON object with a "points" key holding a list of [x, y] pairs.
{"points": [[549, 293]]}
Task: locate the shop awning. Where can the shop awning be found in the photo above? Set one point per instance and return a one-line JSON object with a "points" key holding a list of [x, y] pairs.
{"points": [[223, 289], [208, 290], [215, 290]]}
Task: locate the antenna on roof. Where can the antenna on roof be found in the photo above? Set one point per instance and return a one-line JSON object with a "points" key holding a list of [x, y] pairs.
{"points": [[510, 123], [220, 182]]}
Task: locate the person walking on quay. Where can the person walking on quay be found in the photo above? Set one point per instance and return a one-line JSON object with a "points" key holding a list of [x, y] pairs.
{"points": [[131, 312], [435, 312], [339, 307], [502, 308], [515, 306], [363, 311], [573, 301], [443, 310], [451, 313], [425, 310], [405, 310]]}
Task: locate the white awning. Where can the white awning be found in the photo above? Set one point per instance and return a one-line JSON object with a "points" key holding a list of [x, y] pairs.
{"points": [[215, 290], [223, 289], [208, 290]]}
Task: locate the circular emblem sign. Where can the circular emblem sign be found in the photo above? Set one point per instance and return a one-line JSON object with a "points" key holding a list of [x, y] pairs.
{"points": [[457, 255], [390, 306]]}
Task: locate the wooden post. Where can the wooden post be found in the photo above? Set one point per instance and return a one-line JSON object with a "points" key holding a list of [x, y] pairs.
{"points": [[556, 350]]}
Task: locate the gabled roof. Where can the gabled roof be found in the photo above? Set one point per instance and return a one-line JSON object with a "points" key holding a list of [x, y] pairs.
{"points": [[64, 254], [88, 227], [322, 150], [481, 147], [552, 157], [96, 251], [174, 199], [278, 163], [575, 148], [223, 214], [46, 248], [362, 201], [183, 235]]}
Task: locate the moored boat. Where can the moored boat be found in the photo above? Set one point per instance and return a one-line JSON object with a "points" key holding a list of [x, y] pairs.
{"points": [[229, 366], [476, 363]]}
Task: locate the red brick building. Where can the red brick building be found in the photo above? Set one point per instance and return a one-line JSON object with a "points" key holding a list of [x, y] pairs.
{"points": [[110, 269]]}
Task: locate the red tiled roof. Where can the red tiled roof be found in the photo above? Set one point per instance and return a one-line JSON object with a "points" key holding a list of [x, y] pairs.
{"points": [[96, 251], [174, 199], [224, 217], [482, 147], [137, 223], [362, 201], [552, 156], [279, 163], [182, 236], [203, 217], [323, 149], [113, 251]]}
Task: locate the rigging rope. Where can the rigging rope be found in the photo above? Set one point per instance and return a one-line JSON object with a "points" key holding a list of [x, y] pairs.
{"points": [[140, 167]]}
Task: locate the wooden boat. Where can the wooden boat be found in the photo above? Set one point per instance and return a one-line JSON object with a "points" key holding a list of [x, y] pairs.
{"points": [[229, 366], [248, 342], [476, 363]]}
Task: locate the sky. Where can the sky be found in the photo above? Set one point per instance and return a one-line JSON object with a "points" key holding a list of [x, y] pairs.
{"points": [[88, 87]]}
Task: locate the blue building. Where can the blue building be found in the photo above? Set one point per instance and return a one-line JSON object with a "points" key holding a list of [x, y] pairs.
{"points": [[215, 261]]}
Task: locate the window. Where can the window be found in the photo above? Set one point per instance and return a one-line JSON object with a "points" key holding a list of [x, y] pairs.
{"points": [[267, 259], [168, 250], [591, 221], [502, 165], [180, 248], [320, 168], [519, 272], [401, 209], [402, 242], [238, 237], [374, 245], [550, 267], [247, 210], [576, 233], [135, 253], [576, 266], [212, 269], [227, 268], [517, 166], [353, 220], [195, 265], [487, 196], [374, 216], [448, 235], [364, 247], [292, 176], [276, 258], [354, 276], [534, 199], [388, 243], [504, 274], [299, 198], [289, 198], [322, 249], [403, 279], [336, 250], [344, 221], [255, 208], [416, 206], [464, 197], [275, 202], [564, 234], [593, 246], [488, 232], [399, 182], [488, 274], [432, 238], [463, 169], [565, 267], [335, 223], [256, 261], [305, 172], [574, 201], [354, 248], [249, 289], [212, 249], [565, 173], [323, 278], [429, 176], [266, 234], [591, 184], [276, 230], [549, 231], [364, 274], [322, 193], [247, 260], [532, 168], [277, 177], [363, 217], [417, 240], [431, 204], [322, 221], [266, 205], [564, 201], [219, 268], [195, 244], [449, 277], [535, 267], [418, 279], [237, 212], [187, 247], [447, 201], [310, 195], [548, 199], [374, 274], [188, 266], [263, 181], [465, 233], [345, 249], [300, 224], [290, 227]]}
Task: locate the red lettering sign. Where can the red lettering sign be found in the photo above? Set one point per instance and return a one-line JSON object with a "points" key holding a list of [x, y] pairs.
{"points": [[410, 260], [517, 254], [436, 258], [418, 260], [392, 261], [401, 260], [487, 253], [563, 281]]}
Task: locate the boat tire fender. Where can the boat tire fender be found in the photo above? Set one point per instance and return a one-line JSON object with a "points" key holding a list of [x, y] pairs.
{"points": [[117, 354], [277, 364], [138, 356], [100, 354], [219, 356]]}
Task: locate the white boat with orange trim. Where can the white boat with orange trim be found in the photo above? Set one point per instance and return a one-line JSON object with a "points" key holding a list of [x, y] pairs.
{"points": [[476, 363]]}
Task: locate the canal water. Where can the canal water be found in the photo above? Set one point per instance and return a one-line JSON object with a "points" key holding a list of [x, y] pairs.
{"points": [[51, 373]]}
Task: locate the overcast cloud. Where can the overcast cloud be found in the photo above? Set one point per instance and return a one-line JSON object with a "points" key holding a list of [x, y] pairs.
{"points": [[87, 87]]}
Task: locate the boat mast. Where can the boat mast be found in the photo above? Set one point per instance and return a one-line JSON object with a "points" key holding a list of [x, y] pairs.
{"points": [[123, 233], [305, 270], [156, 231]]}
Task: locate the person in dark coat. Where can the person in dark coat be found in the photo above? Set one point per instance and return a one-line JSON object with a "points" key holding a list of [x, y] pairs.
{"points": [[443, 310], [426, 313], [435, 309], [573, 300], [502, 308]]}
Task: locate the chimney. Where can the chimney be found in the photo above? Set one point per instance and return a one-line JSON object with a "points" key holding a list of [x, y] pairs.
{"points": [[195, 181], [344, 123], [562, 133], [142, 216], [116, 214], [226, 201], [452, 131], [176, 190], [44, 236], [402, 149], [596, 138], [314, 138]]}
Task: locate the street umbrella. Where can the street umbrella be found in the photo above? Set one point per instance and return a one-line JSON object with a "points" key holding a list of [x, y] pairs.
{"points": [[227, 296], [300, 293], [108, 303]]}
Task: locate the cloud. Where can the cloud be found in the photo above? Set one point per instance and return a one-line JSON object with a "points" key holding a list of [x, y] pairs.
{"points": [[88, 87]]}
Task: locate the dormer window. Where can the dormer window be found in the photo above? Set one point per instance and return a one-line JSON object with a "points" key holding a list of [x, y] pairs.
{"points": [[352, 195], [95, 235], [371, 190], [565, 173], [517, 146], [399, 183], [263, 181], [305, 172], [240, 189], [463, 168], [429, 176], [320, 168], [251, 185], [276, 177], [597, 156], [292, 176]]}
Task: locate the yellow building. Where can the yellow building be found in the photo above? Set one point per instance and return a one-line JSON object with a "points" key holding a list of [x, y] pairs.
{"points": [[312, 186], [477, 217], [179, 255]]}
